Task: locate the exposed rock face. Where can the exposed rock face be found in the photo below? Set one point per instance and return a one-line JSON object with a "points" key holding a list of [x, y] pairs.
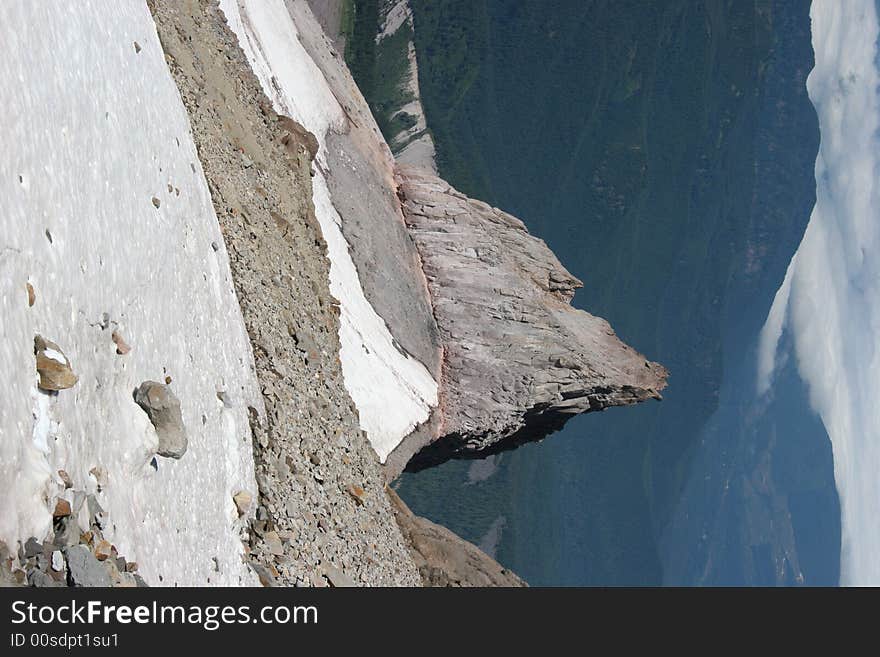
{"points": [[445, 559], [519, 360], [163, 409]]}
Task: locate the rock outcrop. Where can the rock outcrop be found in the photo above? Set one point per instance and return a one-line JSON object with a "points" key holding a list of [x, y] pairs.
{"points": [[519, 360], [445, 559]]}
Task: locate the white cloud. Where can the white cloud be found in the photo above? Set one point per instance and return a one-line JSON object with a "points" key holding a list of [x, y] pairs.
{"points": [[830, 299]]}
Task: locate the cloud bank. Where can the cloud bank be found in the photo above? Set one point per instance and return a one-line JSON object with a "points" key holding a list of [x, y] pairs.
{"points": [[830, 299]]}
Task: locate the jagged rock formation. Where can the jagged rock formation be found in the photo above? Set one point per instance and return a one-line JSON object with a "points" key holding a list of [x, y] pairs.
{"points": [[445, 559], [519, 360]]}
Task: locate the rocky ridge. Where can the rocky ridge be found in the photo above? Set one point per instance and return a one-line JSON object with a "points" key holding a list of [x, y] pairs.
{"points": [[502, 302], [309, 528]]}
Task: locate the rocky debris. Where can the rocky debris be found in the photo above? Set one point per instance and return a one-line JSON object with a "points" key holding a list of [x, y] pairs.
{"points": [[32, 296], [122, 347], [445, 559], [52, 366], [163, 408], [503, 304], [137, 47], [156, 202], [271, 235], [71, 555]]}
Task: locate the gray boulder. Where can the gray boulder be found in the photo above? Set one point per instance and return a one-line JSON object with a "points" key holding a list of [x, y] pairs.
{"points": [[163, 409], [83, 569]]}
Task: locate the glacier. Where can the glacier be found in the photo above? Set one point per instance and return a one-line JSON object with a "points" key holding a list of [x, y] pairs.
{"points": [[829, 301]]}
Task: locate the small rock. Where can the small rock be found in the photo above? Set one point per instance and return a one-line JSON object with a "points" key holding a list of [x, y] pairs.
{"points": [[84, 569], [131, 567], [103, 550], [156, 203], [39, 579], [52, 366], [357, 493], [273, 542], [68, 534], [32, 297], [62, 509], [163, 409], [122, 347], [263, 574], [337, 578], [167, 380], [215, 246], [65, 479], [32, 548], [57, 561], [137, 47], [243, 501], [112, 572]]}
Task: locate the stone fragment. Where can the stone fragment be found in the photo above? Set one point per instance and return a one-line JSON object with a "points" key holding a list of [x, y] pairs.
{"points": [[32, 548], [243, 500], [103, 550], [163, 409], [273, 542], [57, 561], [357, 493], [32, 296], [52, 366], [156, 203], [337, 578], [62, 509], [84, 569]]}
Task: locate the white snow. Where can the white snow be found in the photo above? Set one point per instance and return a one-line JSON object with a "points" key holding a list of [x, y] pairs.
{"points": [[830, 300], [93, 131], [58, 357], [393, 393]]}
